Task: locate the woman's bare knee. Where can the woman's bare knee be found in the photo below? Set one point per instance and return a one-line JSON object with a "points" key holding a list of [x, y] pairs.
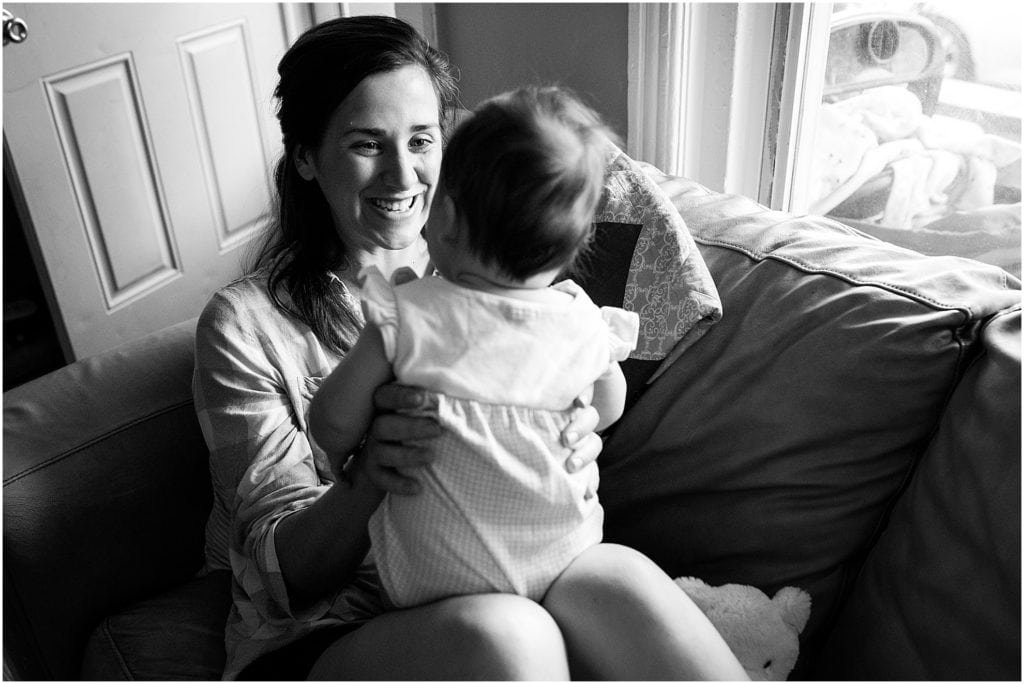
{"points": [[487, 636]]}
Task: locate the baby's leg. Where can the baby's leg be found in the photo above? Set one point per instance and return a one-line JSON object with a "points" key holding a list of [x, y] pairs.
{"points": [[623, 618]]}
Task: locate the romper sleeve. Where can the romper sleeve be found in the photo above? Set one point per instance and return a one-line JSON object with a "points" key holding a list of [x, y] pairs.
{"points": [[380, 307], [623, 331]]}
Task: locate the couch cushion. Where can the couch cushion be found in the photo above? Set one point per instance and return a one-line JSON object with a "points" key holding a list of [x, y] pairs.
{"points": [[771, 451], [105, 472], [939, 596], [177, 635]]}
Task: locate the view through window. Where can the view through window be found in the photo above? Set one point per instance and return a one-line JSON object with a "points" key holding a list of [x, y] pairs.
{"points": [[919, 132]]}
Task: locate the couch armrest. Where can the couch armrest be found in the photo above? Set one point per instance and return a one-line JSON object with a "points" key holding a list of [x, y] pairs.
{"points": [[106, 493], [939, 596]]}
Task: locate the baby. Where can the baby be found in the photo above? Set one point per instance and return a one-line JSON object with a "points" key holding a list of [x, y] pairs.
{"points": [[508, 352]]}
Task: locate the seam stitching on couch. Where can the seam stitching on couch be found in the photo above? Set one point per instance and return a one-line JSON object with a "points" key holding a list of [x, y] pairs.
{"points": [[809, 268], [70, 452], [116, 651]]}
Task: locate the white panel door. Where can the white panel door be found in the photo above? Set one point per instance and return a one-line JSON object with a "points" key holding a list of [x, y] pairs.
{"points": [[142, 136]]}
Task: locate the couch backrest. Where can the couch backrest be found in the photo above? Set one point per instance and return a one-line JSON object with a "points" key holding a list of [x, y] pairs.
{"points": [[773, 450], [106, 492]]}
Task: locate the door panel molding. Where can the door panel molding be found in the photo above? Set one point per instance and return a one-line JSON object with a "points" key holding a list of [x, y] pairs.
{"points": [[108, 153], [223, 99]]}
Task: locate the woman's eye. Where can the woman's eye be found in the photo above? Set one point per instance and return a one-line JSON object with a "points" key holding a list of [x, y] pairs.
{"points": [[421, 144], [367, 147]]}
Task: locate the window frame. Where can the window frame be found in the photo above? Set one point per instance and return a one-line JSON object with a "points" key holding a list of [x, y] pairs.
{"points": [[735, 77]]}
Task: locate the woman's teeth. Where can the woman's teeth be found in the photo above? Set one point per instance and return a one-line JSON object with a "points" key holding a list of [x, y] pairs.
{"points": [[394, 205]]}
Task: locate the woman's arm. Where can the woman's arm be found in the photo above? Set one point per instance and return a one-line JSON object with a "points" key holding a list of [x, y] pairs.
{"points": [[292, 538], [319, 546], [251, 386], [609, 396]]}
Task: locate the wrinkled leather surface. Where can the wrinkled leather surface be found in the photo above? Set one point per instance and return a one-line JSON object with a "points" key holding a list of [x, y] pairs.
{"points": [[771, 452], [106, 491], [939, 597], [178, 634]]}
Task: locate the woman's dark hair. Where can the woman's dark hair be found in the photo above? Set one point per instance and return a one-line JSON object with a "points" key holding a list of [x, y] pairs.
{"points": [[525, 174], [316, 74]]}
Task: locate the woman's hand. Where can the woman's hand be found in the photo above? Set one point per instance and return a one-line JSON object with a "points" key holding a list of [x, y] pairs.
{"points": [[394, 447], [579, 436], [393, 450]]}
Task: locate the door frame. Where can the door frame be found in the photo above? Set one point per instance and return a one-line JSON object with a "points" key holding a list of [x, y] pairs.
{"points": [[28, 228]]}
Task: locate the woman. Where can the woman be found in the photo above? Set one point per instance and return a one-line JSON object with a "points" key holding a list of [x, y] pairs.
{"points": [[364, 107]]}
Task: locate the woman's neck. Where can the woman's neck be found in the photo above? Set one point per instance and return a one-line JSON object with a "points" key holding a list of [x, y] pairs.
{"points": [[415, 256]]}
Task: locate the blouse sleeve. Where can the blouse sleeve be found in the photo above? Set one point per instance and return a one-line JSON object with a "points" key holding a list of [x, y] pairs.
{"points": [[380, 307], [623, 331], [261, 462]]}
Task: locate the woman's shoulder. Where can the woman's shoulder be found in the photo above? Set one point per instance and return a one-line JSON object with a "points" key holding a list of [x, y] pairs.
{"points": [[248, 293], [245, 302], [248, 287]]}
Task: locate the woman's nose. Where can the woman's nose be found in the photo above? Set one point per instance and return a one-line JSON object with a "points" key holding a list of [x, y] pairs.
{"points": [[400, 171]]}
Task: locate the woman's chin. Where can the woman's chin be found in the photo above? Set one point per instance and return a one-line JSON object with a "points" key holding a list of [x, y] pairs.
{"points": [[396, 232], [403, 238]]}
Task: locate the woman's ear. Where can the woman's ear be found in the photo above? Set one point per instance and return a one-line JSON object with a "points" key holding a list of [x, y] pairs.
{"points": [[304, 162]]}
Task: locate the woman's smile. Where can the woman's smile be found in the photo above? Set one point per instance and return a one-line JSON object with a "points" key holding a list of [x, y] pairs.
{"points": [[396, 206]]}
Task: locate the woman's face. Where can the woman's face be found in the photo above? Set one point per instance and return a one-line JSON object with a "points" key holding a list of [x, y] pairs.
{"points": [[379, 160]]}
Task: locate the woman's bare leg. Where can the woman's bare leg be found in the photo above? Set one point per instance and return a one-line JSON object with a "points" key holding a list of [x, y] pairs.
{"points": [[485, 636], [622, 617]]}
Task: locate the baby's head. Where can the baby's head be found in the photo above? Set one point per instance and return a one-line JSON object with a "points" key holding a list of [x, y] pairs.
{"points": [[524, 174]]}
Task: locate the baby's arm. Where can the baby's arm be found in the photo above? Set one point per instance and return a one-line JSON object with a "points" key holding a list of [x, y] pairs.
{"points": [[609, 395], [342, 409]]}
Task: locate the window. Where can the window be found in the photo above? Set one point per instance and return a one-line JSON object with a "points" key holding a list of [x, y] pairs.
{"points": [[918, 131], [899, 119]]}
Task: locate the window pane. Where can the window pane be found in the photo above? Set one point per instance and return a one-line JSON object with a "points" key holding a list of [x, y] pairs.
{"points": [[918, 137]]}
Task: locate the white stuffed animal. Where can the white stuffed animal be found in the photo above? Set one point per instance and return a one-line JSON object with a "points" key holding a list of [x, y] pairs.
{"points": [[762, 632]]}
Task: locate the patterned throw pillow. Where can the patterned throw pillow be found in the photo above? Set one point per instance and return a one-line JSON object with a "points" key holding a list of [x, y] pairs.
{"points": [[643, 259]]}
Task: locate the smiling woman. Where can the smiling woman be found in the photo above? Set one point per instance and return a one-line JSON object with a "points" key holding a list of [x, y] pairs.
{"points": [[377, 166], [365, 104], [327, 220]]}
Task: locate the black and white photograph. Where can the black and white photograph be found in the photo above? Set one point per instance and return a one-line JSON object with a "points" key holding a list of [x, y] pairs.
{"points": [[516, 341]]}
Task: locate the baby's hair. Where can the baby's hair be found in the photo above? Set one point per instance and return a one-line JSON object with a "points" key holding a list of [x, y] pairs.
{"points": [[525, 174]]}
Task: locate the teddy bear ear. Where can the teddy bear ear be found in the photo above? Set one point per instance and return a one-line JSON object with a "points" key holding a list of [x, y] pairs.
{"points": [[697, 589], [689, 584], [794, 606]]}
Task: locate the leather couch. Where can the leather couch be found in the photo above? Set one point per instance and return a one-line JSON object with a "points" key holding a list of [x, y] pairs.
{"points": [[851, 426]]}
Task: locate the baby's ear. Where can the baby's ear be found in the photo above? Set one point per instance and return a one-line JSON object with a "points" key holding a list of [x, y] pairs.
{"points": [[444, 218]]}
